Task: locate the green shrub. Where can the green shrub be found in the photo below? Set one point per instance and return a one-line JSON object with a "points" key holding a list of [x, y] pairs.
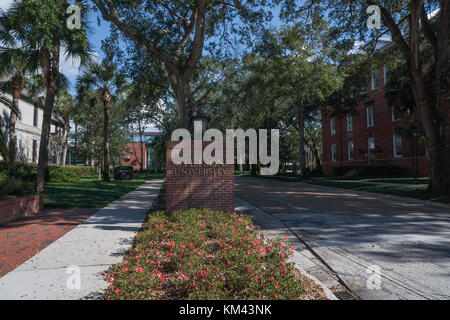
{"points": [[20, 170], [80, 171], [13, 186], [63, 176]]}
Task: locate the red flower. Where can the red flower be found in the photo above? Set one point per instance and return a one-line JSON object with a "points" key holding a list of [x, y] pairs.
{"points": [[117, 291], [229, 262]]}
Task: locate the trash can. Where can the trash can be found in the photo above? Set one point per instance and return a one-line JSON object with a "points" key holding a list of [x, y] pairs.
{"points": [[123, 173]]}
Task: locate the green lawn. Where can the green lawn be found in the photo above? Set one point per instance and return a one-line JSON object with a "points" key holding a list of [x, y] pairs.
{"points": [[90, 192], [400, 180]]}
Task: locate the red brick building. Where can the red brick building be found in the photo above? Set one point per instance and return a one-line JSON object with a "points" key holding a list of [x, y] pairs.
{"points": [[372, 126], [132, 155]]}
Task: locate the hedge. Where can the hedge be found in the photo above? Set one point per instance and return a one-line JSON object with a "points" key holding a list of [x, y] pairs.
{"points": [[27, 171], [78, 170]]}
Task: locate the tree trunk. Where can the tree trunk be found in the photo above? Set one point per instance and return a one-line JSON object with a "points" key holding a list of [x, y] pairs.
{"points": [[434, 108], [142, 152], [47, 117], [12, 122], [301, 139], [65, 142], [182, 91], [106, 98]]}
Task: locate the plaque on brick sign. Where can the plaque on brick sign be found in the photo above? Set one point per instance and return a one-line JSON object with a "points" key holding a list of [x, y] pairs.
{"points": [[198, 185]]}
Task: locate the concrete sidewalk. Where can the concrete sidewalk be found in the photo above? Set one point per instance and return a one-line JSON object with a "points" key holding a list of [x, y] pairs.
{"points": [[90, 249]]}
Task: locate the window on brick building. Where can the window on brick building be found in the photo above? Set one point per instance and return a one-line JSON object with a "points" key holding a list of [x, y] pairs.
{"points": [[371, 144], [396, 114], [369, 115], [333, 152], [333, 126], [385, 75], [363, 89], [375, 80], [349, 122], [398, 147], [350, 150], [352, 92]]}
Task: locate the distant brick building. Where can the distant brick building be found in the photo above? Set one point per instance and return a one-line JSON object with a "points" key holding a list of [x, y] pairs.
{"points": [[347, 138], [132, 155]]}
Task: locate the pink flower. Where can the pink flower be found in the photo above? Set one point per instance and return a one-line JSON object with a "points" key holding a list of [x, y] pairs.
{"points": [[117, 291]]}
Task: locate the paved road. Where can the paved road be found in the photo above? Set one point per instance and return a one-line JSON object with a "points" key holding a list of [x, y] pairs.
{"points": [[351, 231], [92, 247]]}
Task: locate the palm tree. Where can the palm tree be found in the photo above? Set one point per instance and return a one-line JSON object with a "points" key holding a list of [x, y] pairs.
{"points": [[64, 107], [108, 83], [15, 65], [50, 36], [4, 152]]}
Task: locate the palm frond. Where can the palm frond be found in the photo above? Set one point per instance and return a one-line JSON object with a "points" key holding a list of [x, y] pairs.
{"points": [[8, 103]]}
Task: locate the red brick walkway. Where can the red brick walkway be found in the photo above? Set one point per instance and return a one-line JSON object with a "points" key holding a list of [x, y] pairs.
{"points": [[23, 238]]}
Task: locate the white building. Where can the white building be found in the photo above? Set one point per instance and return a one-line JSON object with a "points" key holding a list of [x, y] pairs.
{"points": [[28, 130]]}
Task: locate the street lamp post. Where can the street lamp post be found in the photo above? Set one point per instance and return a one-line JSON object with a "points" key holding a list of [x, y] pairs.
{"points": [[200, 117]]}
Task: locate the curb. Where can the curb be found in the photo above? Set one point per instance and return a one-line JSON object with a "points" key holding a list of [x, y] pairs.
{"points": [[330, 295]]}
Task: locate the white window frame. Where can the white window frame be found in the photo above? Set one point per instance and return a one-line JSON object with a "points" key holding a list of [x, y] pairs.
{"points": [[385, 75], [349, 122], [393, 115], [373, 79], [369, 125], [333, 126], [350, 155], [333, 152], [394, 144], [371, 139]]}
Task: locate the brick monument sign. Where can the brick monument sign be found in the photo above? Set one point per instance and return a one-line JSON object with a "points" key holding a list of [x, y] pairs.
{"points": [[198, 185]]}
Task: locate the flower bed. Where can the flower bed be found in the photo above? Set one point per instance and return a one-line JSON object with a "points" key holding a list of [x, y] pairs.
{"points": [[15, 207], [205, 254]]}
